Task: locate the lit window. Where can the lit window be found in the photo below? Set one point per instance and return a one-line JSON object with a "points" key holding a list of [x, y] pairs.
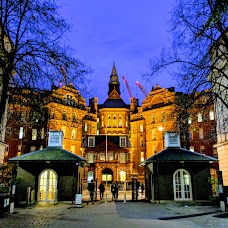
{"points": [[41, 147], [19, 148], [21, 133], [110, 156], [126, 121], [120, 120], [191, 148], [102, 156], [202, 149], [141, 142], [122, 158], [64, 117], [189, 120], [42, 133], [122, 141], [91, 157], [72, 149], [86, 127], [22, 116], [201, 133], [102, 121], [114, 121], [64, 131], [213, 133], [155, 149], [153, 134], [190, 135], [34, 134], [163, 117], [32, 148], [52, 116], [73, 134], [109, 120], [91, 141], [141, 127], [142, 156], [153, 119], [74, 117], [211, 115], [200, 117]]}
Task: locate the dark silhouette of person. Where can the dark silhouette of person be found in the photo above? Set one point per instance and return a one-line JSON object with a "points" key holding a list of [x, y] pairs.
{"points": [[101, 187], [113, 186], [116, 191], [142, 188], [91, 188]]}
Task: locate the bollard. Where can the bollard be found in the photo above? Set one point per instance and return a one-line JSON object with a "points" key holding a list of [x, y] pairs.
{"points": [[124, 197], [106, 201]]}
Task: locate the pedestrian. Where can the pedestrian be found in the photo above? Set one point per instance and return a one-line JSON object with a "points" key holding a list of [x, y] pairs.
{"points": [[116, 191], [142, 188], [91, 188], [113, 190], [101, 187]]}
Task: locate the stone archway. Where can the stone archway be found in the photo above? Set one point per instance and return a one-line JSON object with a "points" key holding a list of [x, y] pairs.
{"points": [[107, 176]]}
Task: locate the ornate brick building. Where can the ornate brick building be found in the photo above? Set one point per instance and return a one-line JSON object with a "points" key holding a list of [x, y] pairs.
{"points": [[113, 137]]}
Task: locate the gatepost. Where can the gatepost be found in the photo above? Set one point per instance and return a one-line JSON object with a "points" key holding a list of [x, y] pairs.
{"points": [[222, 195]]}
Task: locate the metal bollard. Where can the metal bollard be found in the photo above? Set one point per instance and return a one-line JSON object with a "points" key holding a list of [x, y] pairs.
{"points": [[124, 197]]}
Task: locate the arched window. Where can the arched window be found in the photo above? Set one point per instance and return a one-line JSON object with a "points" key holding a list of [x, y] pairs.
{"points": [[120, 120], [102, 121], [109, 120], [182, 185], [47, 185], [73, 134], [114, 121], [127, 121], [74, 117]]}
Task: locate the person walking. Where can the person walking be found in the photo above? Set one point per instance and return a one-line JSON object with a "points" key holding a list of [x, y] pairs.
{"points": [[91, 188], [116, 191], [113, 190], [101, 187]]}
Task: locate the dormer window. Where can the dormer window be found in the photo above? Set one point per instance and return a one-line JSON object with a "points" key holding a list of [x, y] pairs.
{"points": [[123, 142], [91, 141]]}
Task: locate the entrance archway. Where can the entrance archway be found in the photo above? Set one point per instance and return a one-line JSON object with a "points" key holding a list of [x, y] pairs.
{"points": [[47, 185], [107, 176]]}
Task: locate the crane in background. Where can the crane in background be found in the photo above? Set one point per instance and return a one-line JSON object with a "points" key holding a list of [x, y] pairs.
{"points": [[128, 87], [141, 87]]}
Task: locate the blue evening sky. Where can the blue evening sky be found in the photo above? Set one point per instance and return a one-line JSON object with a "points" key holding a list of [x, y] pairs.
{"points": [[127, 32]]}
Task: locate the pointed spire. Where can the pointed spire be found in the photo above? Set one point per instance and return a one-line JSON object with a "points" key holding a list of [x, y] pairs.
{"points": [[114, 81], [113, 70]]}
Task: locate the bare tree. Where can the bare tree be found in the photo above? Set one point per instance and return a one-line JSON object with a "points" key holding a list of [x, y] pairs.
{"points": [[198, 27], [34, 50]]}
